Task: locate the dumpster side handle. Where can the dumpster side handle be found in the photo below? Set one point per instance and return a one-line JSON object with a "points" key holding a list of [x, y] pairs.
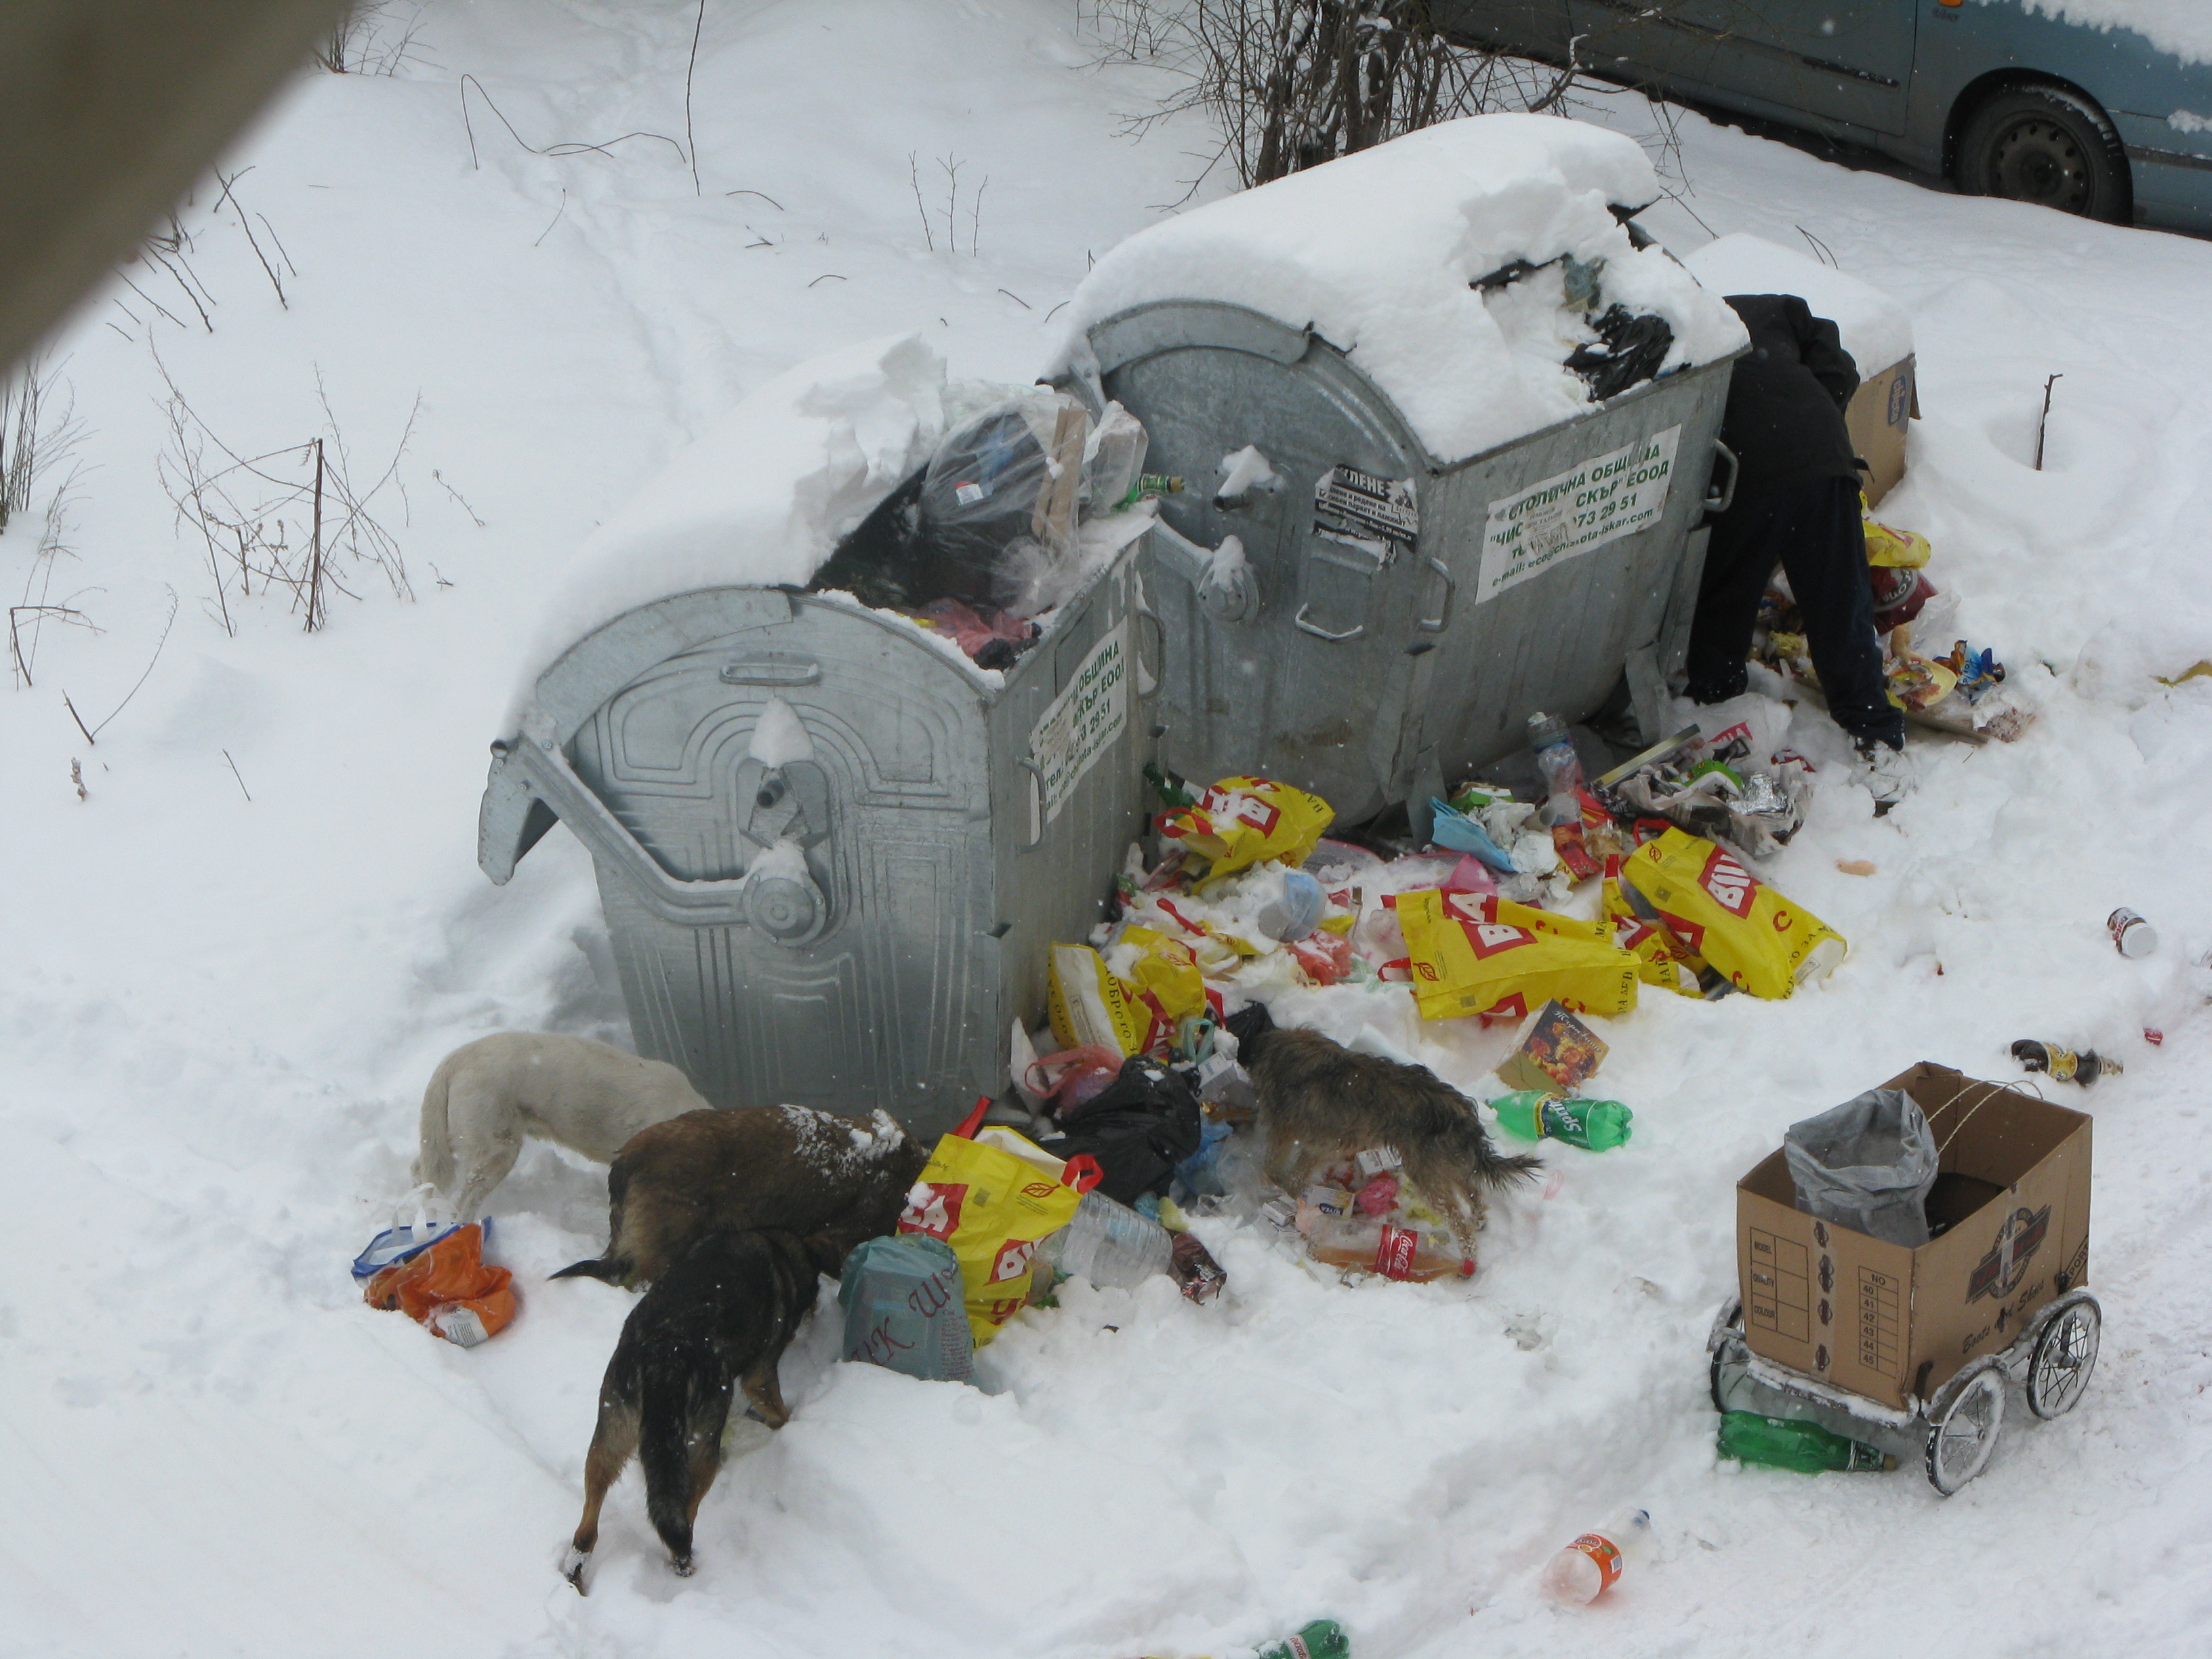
{"points": [[548, 776], [1036, 803], [1320, 633], [1441, 620], [1718, 499]]}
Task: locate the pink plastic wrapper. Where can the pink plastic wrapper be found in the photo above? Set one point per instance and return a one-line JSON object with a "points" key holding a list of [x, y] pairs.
{"points": [[972, 630], [1071, 1079]]}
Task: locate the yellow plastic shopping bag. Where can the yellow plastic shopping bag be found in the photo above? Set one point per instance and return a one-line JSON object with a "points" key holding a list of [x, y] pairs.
{"points": [[1892, 549], [1168, 971], [1090, 1008], [1764, 943], [1491, 956], [990, 1205], [1660, 958], [1243, 820]]}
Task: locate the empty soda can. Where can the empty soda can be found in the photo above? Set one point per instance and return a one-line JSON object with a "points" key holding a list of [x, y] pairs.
{"points": [[2131, 935]]}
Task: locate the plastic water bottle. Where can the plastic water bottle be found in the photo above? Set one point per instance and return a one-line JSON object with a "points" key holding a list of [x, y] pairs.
{"points": [[1324, 1638], [1561, 766], [1584, 1570], [1781, 1443], [1596, 1125], [1111, 1245]]}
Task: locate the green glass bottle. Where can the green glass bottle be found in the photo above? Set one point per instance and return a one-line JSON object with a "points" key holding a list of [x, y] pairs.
{"points": [[1324, 1638], [1596, 1125], [1781, 1443]]}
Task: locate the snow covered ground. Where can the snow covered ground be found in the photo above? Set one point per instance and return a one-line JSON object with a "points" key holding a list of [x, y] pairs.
{"points": [[218, 1012]]}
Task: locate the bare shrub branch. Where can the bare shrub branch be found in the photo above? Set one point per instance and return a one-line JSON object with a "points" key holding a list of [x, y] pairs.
{"points": [[1292, 83], [291, 519]]}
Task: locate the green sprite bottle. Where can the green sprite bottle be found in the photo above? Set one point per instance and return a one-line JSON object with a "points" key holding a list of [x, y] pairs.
{"points": [[1596, 1125], [1781, 1443], [1324, 1638]]}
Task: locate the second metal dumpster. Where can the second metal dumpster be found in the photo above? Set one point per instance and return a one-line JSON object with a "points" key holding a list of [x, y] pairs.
{"points": [[1412, 574]]}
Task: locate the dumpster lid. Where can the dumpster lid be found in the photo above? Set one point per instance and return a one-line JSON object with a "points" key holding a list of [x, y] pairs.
{"points": [[1378, 253], [760, 499], [1877, 331]]}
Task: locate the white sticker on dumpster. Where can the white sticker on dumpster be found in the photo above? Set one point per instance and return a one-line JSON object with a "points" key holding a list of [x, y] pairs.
{"points": [[1081, 725], [1547, 524]]}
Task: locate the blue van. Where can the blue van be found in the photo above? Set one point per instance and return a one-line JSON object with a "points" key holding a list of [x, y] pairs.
{"points": [[2004, 96]]}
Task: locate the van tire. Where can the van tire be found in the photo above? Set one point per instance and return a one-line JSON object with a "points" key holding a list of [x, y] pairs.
{"points": [[2049, 145]]}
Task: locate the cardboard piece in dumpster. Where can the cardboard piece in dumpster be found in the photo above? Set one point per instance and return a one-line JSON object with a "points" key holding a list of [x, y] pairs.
{"points": [[1876, 418], [2011, 1201]]}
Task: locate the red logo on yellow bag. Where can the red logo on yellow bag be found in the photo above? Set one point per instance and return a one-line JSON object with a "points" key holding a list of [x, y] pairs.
{"points": [[1729, 883], [1688, 932], [933, 1209], [1489, 938], [1012, 1259]]}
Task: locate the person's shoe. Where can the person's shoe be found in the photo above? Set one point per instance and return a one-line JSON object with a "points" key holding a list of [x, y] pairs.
{"points": [[1887, 773]]}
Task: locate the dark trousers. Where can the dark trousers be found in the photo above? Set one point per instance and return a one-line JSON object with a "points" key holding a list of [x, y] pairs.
{"points": [[1814, 531]]}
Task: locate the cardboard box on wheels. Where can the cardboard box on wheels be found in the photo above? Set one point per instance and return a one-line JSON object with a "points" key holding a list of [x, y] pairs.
{"points": [[2009, 1216]]}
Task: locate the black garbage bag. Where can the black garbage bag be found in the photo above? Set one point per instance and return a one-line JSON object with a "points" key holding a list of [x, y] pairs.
{"points": [[1138, 1128], [1866, 1164]]}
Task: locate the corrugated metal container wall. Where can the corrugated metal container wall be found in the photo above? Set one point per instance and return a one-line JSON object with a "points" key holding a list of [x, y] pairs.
{"points": [[831, 852], [1397, 619]]}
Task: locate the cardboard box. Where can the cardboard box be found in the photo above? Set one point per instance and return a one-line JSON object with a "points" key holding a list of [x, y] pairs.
{"points": [[1876, 415], [2011, 1210]]}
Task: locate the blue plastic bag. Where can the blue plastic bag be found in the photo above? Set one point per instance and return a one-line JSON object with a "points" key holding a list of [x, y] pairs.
{"points": [[396, 1245], [1454, 829], [902, 1302]]}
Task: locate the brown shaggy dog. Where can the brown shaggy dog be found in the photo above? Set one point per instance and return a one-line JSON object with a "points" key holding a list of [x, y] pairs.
{"points": [[719, 1318], [1322, 1103], [806, 1171]]}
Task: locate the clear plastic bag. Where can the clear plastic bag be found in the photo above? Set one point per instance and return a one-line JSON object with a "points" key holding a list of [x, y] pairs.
{"points": [[997, 508], [1866, 1164]]}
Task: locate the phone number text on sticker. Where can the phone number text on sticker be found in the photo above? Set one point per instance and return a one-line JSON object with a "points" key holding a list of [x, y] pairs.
{"points": [[1604, 498]]}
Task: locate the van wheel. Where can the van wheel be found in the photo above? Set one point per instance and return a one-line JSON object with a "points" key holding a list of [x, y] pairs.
{"points": [[2048, 145]]}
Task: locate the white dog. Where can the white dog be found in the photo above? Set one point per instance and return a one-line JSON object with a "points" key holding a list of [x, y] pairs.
{"points": [[487, 1095]]}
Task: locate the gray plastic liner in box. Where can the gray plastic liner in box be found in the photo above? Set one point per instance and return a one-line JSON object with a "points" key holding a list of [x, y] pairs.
{"points": [[1866, 1164]]}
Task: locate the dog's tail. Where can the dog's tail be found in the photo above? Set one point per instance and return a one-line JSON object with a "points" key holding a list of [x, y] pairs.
{"points": [[611, 1268], [434, 1158], [1481, 1155], [615, 1267], [675, 1436]]}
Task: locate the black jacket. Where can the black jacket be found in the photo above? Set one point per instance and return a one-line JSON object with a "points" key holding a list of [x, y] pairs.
{"points": [[1785, 404]]}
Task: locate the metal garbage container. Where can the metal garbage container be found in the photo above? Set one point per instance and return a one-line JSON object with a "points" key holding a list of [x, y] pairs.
{"points": [[833, 852], [1397, 611]]}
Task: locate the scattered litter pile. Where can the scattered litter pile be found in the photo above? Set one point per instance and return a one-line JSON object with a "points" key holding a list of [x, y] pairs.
{"points": [[1963, 691]]}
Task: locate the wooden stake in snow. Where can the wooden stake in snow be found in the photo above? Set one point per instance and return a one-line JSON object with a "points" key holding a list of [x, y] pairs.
{"points": [[2043, 424]]}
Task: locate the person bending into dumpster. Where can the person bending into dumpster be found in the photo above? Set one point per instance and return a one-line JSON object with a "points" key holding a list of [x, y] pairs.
{"points": [[1797, 504]]}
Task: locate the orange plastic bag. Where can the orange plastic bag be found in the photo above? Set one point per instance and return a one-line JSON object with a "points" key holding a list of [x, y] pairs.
{"points": [[448, 1289]]}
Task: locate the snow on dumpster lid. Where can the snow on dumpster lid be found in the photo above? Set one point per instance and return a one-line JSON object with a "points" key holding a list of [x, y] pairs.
{"points": [[761, 497], [1877, 331], [1378, 253]]}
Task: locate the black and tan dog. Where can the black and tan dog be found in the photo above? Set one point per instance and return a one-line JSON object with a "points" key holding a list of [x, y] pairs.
{"points": [[1322, 1103], [792, 1167], [719, 1318]]}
